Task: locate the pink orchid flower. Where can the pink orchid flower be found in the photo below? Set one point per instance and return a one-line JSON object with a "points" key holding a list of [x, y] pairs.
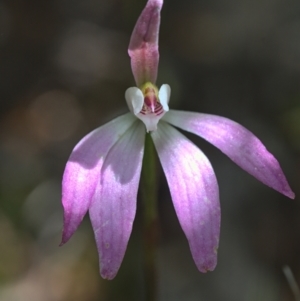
{"points": [[103, 172]]}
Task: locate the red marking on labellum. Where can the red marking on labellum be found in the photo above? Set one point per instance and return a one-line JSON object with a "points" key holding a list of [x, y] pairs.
{"points": [[151, 102], [150, 99], [157, 110]]}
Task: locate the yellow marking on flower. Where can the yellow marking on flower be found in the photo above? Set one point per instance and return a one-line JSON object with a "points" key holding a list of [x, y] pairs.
{"points": [[151, 99]]}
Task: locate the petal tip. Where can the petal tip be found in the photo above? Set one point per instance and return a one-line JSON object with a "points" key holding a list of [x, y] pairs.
{"points": [[207, 266], [107, 274], [290, 194], [210, 261], [282, 186], [62, 242], [66, 235]]}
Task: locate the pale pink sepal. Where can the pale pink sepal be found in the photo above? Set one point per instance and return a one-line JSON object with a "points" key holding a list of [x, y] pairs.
{"points": [[239, 144], [113, 208], [82, 171], [143, 45], [194, 191]]}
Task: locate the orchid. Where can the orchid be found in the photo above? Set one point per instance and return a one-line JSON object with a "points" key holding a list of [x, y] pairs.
{"points": [[103, 172]]}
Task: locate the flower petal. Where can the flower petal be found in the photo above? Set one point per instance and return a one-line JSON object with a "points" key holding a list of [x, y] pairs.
{"points": [[239, 144], [150, 120], [82, 171], [194, 191], [114, 203], [143, 46], [164, 96], [135, 99]]}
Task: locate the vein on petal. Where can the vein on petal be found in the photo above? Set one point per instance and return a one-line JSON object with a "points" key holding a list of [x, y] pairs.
{"points": [[114, 203], [83, 171], [238, 143], [194, 191]]}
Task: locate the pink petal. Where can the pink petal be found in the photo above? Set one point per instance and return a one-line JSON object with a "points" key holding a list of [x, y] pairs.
{"points": [[114, 203], [82, 171], [239, 144], [143, 46], [194, 191]]}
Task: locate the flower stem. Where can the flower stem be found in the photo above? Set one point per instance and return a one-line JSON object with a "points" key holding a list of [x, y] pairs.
{"points": [[150, 218]]}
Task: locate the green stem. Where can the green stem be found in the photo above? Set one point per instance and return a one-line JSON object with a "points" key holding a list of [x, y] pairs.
{"points": [[150, 218]]}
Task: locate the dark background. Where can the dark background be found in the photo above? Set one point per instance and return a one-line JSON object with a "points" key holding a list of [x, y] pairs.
{"points": [[64, 69]]}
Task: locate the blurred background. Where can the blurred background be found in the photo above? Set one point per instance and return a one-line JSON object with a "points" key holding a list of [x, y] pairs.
{"points": [[64, 69]]}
